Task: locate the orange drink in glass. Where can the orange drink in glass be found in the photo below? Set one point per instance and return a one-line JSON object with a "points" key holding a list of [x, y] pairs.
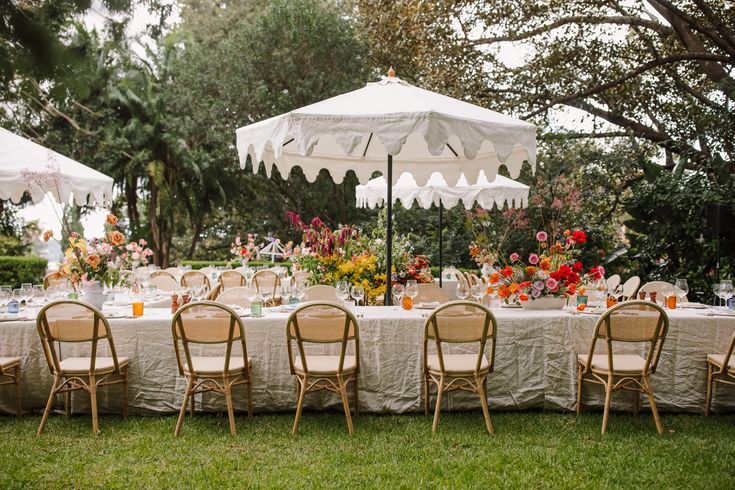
{"points": [[138, 308]]}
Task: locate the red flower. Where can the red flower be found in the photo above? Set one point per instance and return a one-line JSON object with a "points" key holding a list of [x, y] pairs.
{"points": [[578, 236], [577, 267], [507, 271]]}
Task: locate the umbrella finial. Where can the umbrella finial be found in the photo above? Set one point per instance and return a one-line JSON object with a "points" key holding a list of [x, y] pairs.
{"points": [[391, 72]]}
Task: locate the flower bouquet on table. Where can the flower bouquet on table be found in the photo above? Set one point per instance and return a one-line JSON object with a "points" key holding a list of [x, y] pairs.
{"points": [[243, 252], [548, 276]]}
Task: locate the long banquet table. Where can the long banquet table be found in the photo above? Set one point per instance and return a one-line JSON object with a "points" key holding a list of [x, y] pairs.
{"points": [[535, 363]]}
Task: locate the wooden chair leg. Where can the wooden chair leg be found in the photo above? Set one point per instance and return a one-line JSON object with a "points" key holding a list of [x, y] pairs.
{"points": [[125, 395], [482, 391], [710, 382], [18, 406], [49, 404], [354, 394], [250, 399], [636, 403], [299, 405], [230, 410], [93, 403], [345, 405], [193, 406], [579, 388], [182, 412], [426, 395], [67, 403], [437, 409], [608, 399], [654, 409]]}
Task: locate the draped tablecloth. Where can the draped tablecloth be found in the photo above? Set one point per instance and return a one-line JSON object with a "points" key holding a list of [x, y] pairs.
{"points": [[535, 365]]}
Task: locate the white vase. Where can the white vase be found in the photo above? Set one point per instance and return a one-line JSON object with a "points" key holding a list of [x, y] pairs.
{"points": [[93, 294], [544, 303]]}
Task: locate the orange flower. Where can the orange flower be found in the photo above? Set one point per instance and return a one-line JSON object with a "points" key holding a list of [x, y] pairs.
{"points": [[94, 261], [531, 270], [523, 297], [111, 219], [47, 235], [490, 290], [507, 271], [545, 264], [557, 248], [494, 278], [513, 288], [503, 291], [582, 291], [567, 232], [116, 238], [571, 289]]}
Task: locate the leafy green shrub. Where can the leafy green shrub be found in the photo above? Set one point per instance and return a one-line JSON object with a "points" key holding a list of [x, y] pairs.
{"points": [[200, 264], [16, 270]]}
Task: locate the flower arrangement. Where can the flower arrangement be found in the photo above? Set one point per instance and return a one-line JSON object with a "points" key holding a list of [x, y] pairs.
{"points": [[345, 255], [102, 259], [243, 252], [552, 270]]}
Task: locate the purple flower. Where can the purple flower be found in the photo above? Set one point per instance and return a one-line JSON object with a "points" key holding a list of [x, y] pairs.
{"points": [[533, 259], [538, 285], [535, 293], [541, 236]]}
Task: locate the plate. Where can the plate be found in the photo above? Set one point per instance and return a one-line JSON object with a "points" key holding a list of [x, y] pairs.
{"points": [[693, 306], [718, 313], [586, 312], [511, 306], [426, 306]]}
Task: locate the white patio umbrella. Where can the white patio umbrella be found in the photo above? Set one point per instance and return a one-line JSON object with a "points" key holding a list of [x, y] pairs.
{"points": [[26, 166], [385, 126], [501, 192]]}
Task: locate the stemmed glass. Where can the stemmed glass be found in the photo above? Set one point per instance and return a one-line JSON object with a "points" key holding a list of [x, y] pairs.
{"points": [[412, 290], [343, 290], [682, 289], [667, 290], [5, 295], [358, 292], [249, 273], [493, 293], [478, 292], [462, 291], [398, 293], [717, 289], [39, 293], [298, 291], [726, 291]]}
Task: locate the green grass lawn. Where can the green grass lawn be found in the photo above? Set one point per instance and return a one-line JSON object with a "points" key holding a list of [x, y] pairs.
{"points": [[529, 449]]}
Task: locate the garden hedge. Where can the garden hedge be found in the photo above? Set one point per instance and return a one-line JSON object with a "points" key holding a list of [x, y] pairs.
{"points": [[16, 270]]}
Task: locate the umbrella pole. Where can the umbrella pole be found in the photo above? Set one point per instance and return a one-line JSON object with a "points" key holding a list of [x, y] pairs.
{"points": [[389, 236], [441, 239]]}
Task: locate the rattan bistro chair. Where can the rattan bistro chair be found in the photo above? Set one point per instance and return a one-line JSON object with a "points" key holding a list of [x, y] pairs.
{"points": [[430, 293], [720, 369], [206, 322], [195, 278], [321, 292], [70, 321], [632, 322], [10, 375], [268, 284], [234, 296], [324, 323], [459, 322], [231, 279]]}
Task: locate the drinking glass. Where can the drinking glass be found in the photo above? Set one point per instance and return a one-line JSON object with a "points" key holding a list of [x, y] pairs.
{"points": [[412, 289], [668, 291], [478, 292], [398, 293], [4, 299], [39, 293], [298, 291], [462, 291], [717, 289], [726, 291], [358, 292], [682, 289], [343, 290]]}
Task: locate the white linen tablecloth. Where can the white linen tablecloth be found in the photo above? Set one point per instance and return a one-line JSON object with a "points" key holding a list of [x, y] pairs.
{"points": [[535, 364]]}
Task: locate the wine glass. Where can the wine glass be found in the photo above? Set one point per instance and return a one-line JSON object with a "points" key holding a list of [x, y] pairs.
{"points": [[601, 291], [726, 291], [398, 292], [411, 290], [462, 291], [478, 292], [343, 290], [358, 292], [492, 291], [298, 291], [249, 273], [716, 289], [682, 289], [5, 296], [39, 292], [667, 290]]}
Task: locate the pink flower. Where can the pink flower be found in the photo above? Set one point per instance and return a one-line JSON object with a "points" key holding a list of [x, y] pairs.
{"points": [[541, 236], [513, 257], [552, 284], [533, 259]]}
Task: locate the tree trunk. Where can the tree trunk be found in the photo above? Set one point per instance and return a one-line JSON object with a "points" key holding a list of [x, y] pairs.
{"points": [[195, 239]]}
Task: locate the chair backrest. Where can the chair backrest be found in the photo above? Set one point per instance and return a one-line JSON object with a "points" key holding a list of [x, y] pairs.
{"points": [[728, 355], [231, 279], [206, 322], [657, 287], [430, 293], [175, 271], [461, 278], [461, 322], [55, 279], [159, 273], [322, 323], [267, 282], [234, 296], [164, 282], [638, 322], [195, 278], [321, 293], [73, 321], [301, 277], [630, 288], [612, 283]]}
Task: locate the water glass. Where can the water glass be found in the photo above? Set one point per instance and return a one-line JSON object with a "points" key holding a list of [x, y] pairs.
{"points": [[462, 291], [398, 293], [358, 292], [682, 289]]}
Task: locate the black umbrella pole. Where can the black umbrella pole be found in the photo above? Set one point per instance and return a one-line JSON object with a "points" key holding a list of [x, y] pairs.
{"points": [[441, 242], [389, 236]]}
